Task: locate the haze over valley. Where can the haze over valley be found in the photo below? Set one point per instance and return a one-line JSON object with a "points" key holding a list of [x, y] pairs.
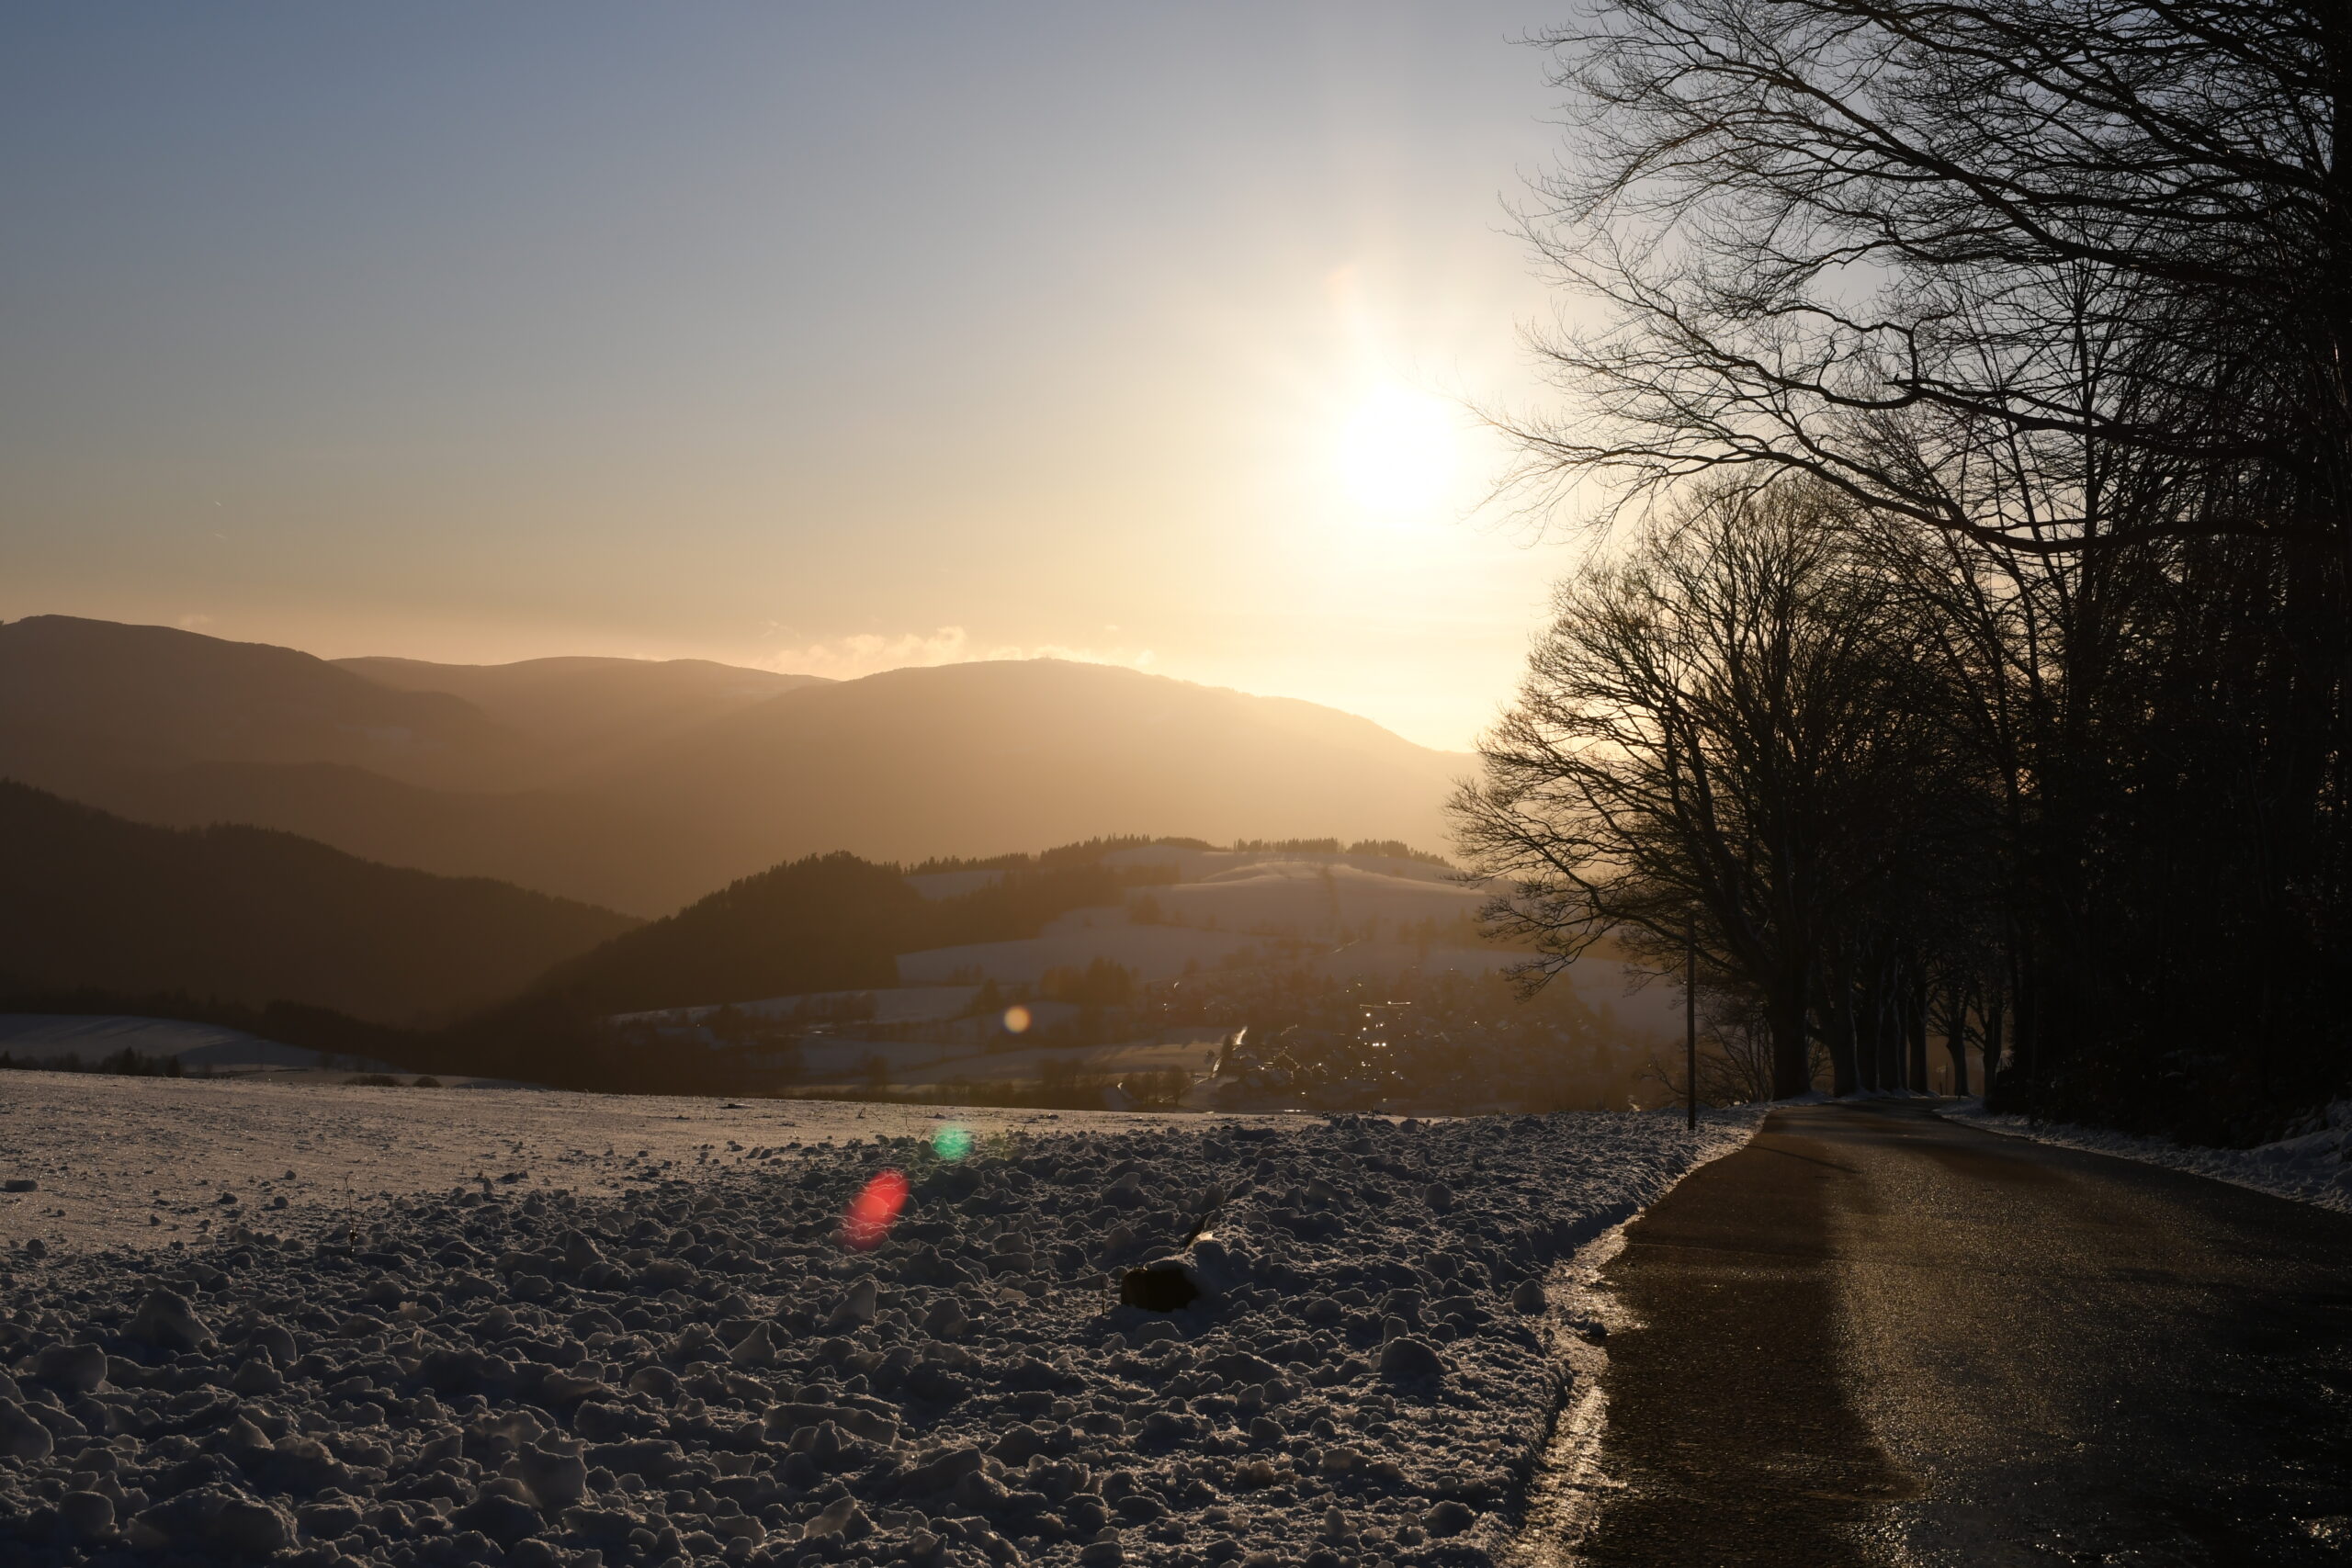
{"points": [[1319, 784], [642, 785]]}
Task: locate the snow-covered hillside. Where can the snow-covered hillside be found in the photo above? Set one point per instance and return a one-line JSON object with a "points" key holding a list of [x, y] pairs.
{"points": [[1228, 906], [708, 1366]]}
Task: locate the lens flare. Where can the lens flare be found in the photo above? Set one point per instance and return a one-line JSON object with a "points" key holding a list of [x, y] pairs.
{"points": [[874, 1210], [952, 1142], [1016, 1019]]}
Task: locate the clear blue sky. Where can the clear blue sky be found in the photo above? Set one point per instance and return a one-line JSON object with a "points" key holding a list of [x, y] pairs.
{"points": [[819, 336]]}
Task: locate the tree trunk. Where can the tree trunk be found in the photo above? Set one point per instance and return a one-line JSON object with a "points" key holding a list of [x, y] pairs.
{"points": [[1837, 1032], [1863, 1041], [1889, 1014], [1995, 1016], [1956, 1036], [1792, 1054], [1886, 1058], [1915, 1021]]}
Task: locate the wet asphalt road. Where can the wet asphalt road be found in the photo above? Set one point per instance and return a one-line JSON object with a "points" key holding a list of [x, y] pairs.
{"points": [[1874, 1337]]}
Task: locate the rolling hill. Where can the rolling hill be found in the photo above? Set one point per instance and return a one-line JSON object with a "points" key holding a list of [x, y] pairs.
{"points": [[253, 917], [967, 758], [642, 786], [829, 922], [568, 842], [79, 695], [579, 714]]}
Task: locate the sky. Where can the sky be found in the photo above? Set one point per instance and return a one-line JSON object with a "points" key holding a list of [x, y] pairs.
{"points": [[820, 338]]}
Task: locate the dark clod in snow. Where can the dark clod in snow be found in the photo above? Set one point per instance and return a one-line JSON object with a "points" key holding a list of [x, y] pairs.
{"points": [[754, 1349], [503, 1519], [842, 1519], [1164, 1286], [165, 1321], [21, 1436], [556, 1481], [217, 1519], [85, 1519], [1410, 1360], [856, 1308], [75, 1368], [1448, 1519]]}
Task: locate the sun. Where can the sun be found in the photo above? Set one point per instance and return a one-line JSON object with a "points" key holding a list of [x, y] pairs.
{"points": [[1398, 451]]}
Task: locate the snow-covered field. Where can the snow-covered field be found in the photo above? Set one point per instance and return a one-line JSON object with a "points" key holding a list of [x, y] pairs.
{"points": [[146, 1161], [2315, 1167], [593, 1357]]}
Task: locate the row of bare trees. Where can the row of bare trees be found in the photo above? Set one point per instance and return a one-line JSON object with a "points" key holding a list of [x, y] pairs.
{"points": [[1969, 384]]}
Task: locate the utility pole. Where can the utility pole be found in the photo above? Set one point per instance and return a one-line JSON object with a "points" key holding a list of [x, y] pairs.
{"points": [[1691, 1018]]}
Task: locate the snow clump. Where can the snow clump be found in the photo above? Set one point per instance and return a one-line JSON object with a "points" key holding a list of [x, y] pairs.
{"points": [[705, 1373]]}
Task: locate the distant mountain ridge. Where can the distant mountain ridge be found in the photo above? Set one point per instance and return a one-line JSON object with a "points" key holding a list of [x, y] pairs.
{"points": [[254, 916], [580, 713], [91, 695], [642, 785]]}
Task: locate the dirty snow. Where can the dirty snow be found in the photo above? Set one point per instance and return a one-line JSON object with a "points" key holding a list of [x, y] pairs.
{"points": [[601, 1358], [2314, 1168]]}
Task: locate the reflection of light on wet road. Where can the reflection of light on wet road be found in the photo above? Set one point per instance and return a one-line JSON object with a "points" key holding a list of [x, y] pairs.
{"points": [[1016, 1019], [871, 1213], [951, 1142]]}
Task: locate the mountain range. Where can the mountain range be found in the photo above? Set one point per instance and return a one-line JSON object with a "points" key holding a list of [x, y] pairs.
{"points": [[639, 786]]}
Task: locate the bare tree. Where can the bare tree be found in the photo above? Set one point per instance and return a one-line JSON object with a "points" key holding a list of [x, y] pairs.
{"points": [[1728, 727], [1811, 216], [2056, 296]]}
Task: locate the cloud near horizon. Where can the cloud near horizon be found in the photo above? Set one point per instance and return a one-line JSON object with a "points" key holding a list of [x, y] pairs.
{"points": [[869, 653]]}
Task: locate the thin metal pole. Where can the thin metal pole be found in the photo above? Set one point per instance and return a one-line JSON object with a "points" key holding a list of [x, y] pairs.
{"points": [[1691, 1017]]}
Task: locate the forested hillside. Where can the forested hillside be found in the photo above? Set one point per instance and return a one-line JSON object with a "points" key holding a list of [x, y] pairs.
{"points": [[828, 922], [252, 917]]}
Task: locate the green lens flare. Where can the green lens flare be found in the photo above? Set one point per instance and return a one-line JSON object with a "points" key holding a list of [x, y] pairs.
{"points": [[952, 1142]]}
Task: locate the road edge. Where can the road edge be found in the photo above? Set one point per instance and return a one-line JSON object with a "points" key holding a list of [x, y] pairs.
{"points": [[2271, 1168], [1563, 1486]]}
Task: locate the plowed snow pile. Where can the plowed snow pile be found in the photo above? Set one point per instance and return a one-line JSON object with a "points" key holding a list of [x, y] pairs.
{"points": [[703, 1370]]}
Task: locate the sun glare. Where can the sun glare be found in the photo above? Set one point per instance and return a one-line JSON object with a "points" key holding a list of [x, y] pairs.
{"points": [[1398, 451]]}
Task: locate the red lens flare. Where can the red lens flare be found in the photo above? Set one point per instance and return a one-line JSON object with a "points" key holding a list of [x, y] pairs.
{"points": [[872, 1212]]}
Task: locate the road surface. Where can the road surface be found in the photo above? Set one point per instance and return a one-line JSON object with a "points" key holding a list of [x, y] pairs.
{"points": [[1873, 1337]]}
